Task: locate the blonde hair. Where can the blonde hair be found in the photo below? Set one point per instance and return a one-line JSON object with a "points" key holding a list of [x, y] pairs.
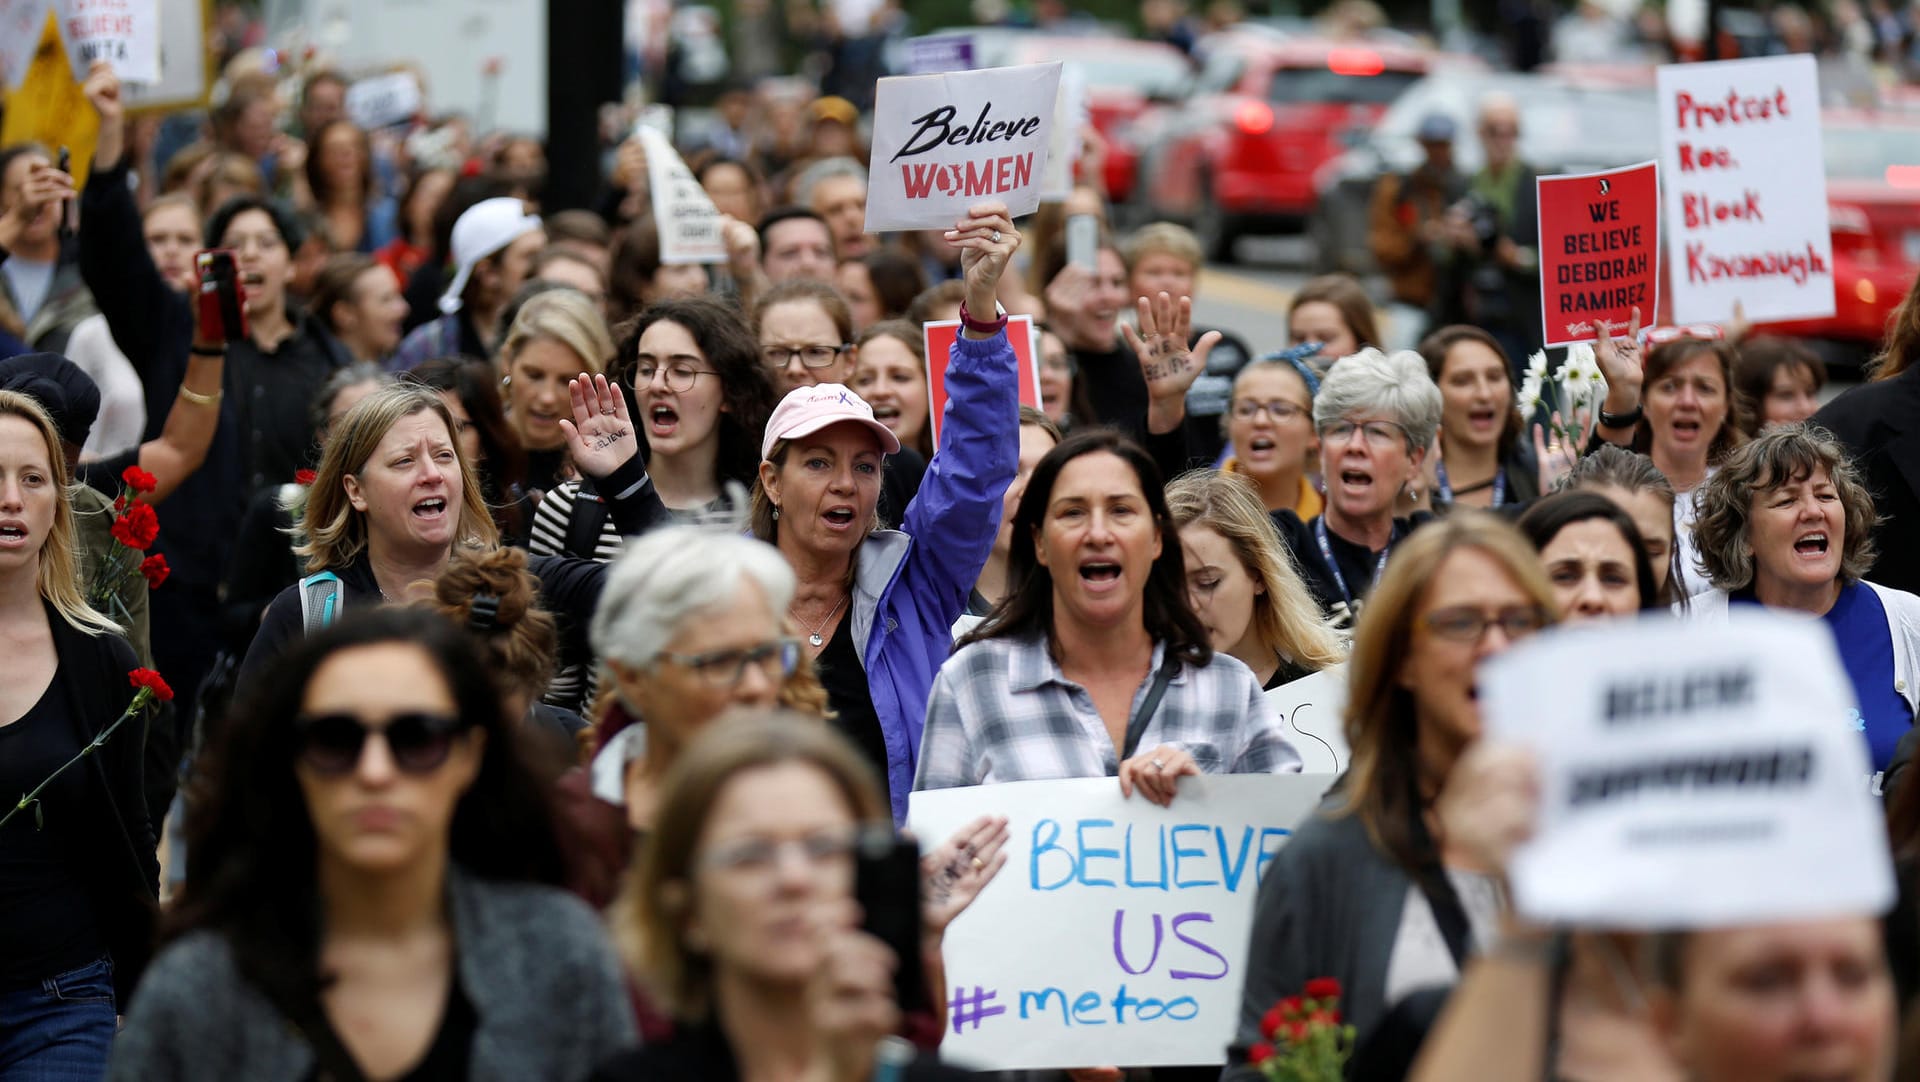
{"points": [[331, 532], [1380, 724], [648, 919], [58, 576], [1285, 616], [565, 316]]}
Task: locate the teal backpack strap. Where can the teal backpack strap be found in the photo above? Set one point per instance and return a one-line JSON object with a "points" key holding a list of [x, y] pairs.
{"points": [[320, 599]]}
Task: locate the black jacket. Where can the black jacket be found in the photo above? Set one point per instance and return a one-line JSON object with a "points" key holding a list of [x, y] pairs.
{"points": [[123, 877], [1880, 425], [702, 1054], [264, 434]]}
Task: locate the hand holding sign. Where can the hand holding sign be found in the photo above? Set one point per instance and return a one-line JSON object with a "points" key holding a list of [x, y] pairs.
{"points": [[986, 239], [1156, 772]]}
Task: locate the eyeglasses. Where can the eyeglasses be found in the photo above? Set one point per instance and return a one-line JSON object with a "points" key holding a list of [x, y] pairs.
{"points": [[680, 377], [1281, 410], [1468, 623], [1705, 332], [725, 668], [811, 356], [759, 857], [419, 743], [1380, 435]]}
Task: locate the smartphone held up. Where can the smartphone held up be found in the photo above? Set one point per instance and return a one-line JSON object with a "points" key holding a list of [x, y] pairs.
{"points": [[222, 297]]}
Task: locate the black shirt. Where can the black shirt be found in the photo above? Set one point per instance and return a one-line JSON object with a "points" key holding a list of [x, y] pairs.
{"points": [[1355, 563], [850, 696], [47, 924], [702, 1054], [447, 1059]]}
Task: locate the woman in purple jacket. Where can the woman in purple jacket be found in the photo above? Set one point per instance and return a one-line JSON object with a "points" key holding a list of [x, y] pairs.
{"points": [[874, 607]]}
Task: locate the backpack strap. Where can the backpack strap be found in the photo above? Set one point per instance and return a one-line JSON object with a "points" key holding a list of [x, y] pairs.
{"points": [[320, 599]]}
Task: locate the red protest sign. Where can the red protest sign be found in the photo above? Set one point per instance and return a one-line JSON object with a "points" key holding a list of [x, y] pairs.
{"points": [[940, 338], [1599, 251]]}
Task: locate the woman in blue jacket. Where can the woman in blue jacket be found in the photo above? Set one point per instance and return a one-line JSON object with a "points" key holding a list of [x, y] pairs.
{"points": [[875, 607]]}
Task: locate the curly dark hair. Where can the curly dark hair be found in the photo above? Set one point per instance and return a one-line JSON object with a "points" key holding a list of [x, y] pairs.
{"points": [[1785, 455], [254, 876], [746, 385]]}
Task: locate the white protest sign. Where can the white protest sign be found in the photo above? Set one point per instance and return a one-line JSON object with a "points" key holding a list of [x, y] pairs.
{"points": [[1690, 780], [381, 100], [183, 61], [942, 143], [1063, 149], [125, 33], [1746, 189], [1313, 710], [20, 25], [1117, 932], [688, 221]]}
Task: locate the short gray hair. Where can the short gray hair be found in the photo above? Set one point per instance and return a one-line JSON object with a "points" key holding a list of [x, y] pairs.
{"points": [[825, 169], [1395, 384], [673, 573]]}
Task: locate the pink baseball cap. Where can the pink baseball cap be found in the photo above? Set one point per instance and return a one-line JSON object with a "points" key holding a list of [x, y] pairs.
{"points": [[807, 410]]}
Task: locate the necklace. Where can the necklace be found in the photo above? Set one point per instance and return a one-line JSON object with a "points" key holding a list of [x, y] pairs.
{"points": [[814, 638]]}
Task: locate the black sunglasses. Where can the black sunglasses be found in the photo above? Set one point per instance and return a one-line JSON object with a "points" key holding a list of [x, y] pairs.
{"points": [[332, 743]]}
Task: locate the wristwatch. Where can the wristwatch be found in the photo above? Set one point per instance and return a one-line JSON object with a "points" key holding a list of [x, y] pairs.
{"points": [[1622, 420], [977, 327]]}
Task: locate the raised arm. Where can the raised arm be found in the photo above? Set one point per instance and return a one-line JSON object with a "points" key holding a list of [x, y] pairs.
{"points": [[149, 320], [604, 446], [956, 514], [182, 445]]}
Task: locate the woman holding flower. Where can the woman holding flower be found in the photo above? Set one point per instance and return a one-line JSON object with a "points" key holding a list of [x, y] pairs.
{"points": [[77, 866]]}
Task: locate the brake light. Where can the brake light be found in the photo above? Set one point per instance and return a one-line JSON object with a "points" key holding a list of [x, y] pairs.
{"points": [[1863, 289], [1253, 118], [1903, 176], [1351, 61]]}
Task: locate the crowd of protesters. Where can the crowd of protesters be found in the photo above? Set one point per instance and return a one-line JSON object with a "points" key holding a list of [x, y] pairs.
{"points": [[542, 628]]}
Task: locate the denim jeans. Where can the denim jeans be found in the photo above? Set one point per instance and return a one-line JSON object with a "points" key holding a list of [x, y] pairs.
{"points": [[60, 1031]]}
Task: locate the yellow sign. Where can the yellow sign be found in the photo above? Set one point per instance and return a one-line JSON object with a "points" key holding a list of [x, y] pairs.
{"points": [[50, 109]]}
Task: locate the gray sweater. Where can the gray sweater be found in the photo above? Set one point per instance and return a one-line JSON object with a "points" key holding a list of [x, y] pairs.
{"points": [[1329, 906], [544, 982]]}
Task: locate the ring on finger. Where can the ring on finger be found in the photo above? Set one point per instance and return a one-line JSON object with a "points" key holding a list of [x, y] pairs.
{"points": [[1156, 764], [996, 236]]}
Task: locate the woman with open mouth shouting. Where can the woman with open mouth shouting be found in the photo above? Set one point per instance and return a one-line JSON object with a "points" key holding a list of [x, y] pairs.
{"points": [[1784, 523], [1483, 460], [1269, 425], [1376, 415], [875, 606], [395, 495], [1095, 664]]}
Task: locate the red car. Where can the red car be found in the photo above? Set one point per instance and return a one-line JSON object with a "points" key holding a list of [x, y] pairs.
{"points": [[1240, 156], [1873, 207], [1123, 77]]}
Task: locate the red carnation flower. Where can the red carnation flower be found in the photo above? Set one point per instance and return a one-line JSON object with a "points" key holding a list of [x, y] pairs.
{"points": [[137, 528], [1270, 1022], [1295, 1032], [1292, 1006], [1323, 988], [138, 479], [156, 570], [147, 678], [1259, 1053], [304, 477]]}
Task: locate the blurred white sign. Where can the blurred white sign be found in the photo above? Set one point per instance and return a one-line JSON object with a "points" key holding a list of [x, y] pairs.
{"points": [[1690, 780], [124, 33], [688, 221], [381, 100], [1312, 711]]}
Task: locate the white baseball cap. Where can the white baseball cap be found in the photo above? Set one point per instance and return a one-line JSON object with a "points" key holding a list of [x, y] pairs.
{"points": [[485, 228]]}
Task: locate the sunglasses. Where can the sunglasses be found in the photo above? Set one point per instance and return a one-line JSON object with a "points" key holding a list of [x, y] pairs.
{"points": [[418, 743], [1705, 332]]}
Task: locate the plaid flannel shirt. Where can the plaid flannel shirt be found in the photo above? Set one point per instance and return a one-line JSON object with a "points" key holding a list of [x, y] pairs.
{"points": [[1001, 710]]}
